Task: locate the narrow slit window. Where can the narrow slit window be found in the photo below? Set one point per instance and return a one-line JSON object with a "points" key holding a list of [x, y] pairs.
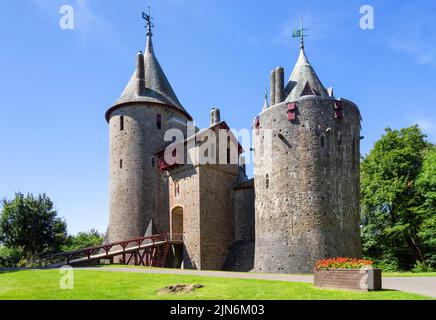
{"points": [[267, 181], [353, 151], [153, 162], [121, 163], [159, 121], [228, 151], [122, 123], [177, 189], [322, 141]]}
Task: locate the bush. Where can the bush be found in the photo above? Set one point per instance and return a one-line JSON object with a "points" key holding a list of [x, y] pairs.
{"points": [[387, 264], [422, 267], [83, 240], [10, 257], [343, 263]]}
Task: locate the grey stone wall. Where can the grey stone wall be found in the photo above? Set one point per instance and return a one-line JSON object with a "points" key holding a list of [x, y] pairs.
{"points": [[206, 197], [307, 190], [138, 190], [244, 211], [208, 222], [241, 256], [216, 214], [187, 177]]}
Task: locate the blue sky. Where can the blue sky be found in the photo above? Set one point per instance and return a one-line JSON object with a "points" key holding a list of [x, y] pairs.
{"points": [[56, 84]]}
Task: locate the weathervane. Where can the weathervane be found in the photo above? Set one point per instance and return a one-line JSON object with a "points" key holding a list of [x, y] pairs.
{"points": [[300, 33], [148, 18]]}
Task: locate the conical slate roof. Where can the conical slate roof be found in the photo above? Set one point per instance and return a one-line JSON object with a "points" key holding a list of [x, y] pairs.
{"points": [[157, 87], [304, 80]]}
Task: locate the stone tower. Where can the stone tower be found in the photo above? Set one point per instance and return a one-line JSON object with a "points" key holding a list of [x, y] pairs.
{"points": [[306, 171], [147, 108]]}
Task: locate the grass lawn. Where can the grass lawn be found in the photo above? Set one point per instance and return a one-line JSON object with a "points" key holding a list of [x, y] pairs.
{"points": [[103, 285], [408, 274], [385, 274]]}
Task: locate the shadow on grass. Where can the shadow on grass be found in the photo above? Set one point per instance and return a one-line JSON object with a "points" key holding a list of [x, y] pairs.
{"points": [[10, 270]]}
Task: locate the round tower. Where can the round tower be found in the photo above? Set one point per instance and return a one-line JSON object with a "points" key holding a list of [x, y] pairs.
{"points": [[147, 108], [306, 170]]}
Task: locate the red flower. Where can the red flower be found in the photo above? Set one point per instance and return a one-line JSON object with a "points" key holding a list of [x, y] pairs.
{"points": [[343, 263]]}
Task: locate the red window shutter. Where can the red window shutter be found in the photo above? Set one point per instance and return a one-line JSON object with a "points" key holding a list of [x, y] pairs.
{"points": [[161, 159], [257, 125], [292, 111], [339, 106]]}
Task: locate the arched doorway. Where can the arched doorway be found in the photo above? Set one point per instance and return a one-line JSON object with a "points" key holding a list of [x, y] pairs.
{"points": [[177, 221]]}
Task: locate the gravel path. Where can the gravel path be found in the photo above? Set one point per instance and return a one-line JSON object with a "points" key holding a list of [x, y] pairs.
{"points": [[419, 285]]}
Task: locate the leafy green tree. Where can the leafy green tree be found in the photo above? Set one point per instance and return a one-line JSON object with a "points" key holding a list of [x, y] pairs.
{"points": [[392, 203], [426, 183], [83, 240], [10, 257], [31, 223]]}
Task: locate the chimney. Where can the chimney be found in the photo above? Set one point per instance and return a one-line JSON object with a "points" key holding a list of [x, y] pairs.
{"points": [[140, 74], [273, 88], [279, 75], [215, 116]]}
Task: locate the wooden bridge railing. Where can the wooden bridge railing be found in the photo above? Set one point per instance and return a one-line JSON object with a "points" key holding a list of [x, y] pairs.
{"points": [[150, 247]]}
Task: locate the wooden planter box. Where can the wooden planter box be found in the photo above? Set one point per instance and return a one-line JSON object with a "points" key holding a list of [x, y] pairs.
{"points": [[365, 280]]}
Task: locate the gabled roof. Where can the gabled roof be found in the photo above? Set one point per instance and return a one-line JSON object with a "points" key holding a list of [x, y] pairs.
{"points": [[157, 87], [197, 137], [304, 80]]}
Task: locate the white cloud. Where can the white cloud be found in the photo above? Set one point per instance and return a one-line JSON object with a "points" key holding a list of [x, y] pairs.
{"points": [[416, 39], [89, 25], [428, 126], [421, 48]]}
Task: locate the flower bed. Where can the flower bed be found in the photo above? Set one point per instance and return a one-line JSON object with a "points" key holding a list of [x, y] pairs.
{"points": [[347, 273], [343, 263]]}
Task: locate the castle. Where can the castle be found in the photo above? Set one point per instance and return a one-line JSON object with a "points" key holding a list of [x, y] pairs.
{"points": [[301, 206]]}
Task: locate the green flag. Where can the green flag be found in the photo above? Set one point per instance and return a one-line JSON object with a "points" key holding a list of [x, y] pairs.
{"points": [[296, 34]]}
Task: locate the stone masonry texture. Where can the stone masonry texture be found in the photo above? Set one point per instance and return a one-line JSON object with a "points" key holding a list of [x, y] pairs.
{"points": [[138, 189], [307, 190]]}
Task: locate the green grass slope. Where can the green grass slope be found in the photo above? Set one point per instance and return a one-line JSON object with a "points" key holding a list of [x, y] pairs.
{"points": [[103, 285]]}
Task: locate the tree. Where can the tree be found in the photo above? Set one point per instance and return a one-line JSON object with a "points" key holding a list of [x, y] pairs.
{"points": [[426, 183], [83, 240], [392, 203], [10, 257], [32, 224]]}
